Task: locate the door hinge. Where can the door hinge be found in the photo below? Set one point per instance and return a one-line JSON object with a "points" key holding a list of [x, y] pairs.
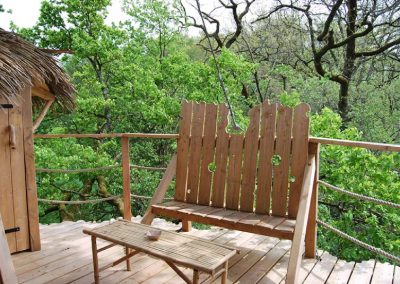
{"points": [[12, 230], [6, 106]]}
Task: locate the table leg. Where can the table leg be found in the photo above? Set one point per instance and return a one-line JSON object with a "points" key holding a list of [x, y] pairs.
{"points": [[224, 275], [195, 276], [128, 261], [95, 260]]}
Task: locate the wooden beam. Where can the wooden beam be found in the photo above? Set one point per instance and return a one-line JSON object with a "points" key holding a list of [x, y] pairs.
{"points": [[7, 271], [30, 173], [43, 92], [358, 144], [326, 141], [311, 232], [161, 190], [126, 178], [179, 272], [42, 114]]}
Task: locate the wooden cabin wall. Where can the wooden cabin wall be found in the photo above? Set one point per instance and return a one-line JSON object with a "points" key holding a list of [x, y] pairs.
{"points": [[18, 192]]}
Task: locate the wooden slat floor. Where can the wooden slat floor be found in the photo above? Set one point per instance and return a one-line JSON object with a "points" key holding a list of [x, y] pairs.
{"points": [[66, 258]]}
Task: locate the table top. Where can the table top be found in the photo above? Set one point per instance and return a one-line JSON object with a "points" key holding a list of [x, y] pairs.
{"points": [[178, 248]]}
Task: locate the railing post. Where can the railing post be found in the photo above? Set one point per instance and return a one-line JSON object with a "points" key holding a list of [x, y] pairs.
{"points": [[126, 178], [311, 231]]}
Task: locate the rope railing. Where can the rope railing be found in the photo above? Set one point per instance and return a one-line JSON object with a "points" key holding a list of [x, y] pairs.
{"points": [[359, 196], [148, 197], [77, 202], [75, 171], [358, 242], [148, 168]]}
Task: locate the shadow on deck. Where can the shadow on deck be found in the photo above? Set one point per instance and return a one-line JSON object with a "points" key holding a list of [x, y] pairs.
{"points": [[66, 258]]}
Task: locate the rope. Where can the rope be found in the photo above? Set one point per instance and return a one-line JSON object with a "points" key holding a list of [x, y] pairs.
{"points": [[78, 201], [359, 196], [358, 242], [95, 200], [148, 197], [42, 170], [148, 168]]}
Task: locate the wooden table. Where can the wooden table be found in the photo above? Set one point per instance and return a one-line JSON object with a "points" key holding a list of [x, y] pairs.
{"points": [[173, 248]]}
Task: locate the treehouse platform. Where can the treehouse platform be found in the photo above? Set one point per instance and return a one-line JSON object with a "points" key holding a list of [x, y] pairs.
{"points": [[66, 258]]}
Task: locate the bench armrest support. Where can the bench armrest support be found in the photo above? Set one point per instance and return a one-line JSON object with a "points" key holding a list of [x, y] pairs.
{"points": [[161, 190], [301, 222]]}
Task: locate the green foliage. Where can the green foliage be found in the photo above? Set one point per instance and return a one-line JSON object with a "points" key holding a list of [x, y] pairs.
{"points": [[363, 172], [289, 99]]}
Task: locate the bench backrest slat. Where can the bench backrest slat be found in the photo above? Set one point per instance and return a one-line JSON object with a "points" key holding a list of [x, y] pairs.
{"points": [[195, 151], [183, 151], [210, 130], [300, 134], [267, 134], [250, 161], [282, 160], [259, 171], [234, 171], [221, 157]]}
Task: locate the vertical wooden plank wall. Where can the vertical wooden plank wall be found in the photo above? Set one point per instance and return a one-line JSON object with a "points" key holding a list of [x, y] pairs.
{"points": [[19, 185], [5, 178], [31, 189]]}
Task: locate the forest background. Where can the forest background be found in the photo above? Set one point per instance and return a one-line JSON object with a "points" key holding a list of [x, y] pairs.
{"points": [[340, 56]]}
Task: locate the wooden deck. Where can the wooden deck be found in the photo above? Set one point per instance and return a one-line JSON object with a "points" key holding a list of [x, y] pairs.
{"points": [[66, 258]]}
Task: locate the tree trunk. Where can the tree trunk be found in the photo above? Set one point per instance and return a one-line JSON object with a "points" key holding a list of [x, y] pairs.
{"points": [[343, 104], [101, 181], [349, 63]]}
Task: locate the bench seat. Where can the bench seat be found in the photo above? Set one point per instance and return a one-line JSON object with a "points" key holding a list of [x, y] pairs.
{"points": [[278, 227]]}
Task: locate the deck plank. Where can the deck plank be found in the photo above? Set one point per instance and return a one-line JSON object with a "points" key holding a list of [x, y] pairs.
{"points": [[396, 277], [383, 273], [362, 272], [277, 273], [66, 258], [321, 270], [266, 263], [341, 272]]}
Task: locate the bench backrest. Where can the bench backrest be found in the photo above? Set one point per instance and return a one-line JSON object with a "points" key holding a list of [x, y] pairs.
{"points": [[261, 170]]}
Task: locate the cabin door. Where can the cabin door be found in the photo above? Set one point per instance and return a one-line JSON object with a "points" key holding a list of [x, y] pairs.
{"points": [[13, 200]]}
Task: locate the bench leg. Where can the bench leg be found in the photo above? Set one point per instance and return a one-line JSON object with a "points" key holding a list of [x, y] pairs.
{"points": [[95, 260], [224, 276], [195, 276], [186, 226], [128, 260]]}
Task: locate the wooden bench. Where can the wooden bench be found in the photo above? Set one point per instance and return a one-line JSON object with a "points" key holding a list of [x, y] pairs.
{"points": [[260, 182], [175, 249]]}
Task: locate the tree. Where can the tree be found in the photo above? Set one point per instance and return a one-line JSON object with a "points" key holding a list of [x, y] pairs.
{"points": [[78, 27], [343, 34]]}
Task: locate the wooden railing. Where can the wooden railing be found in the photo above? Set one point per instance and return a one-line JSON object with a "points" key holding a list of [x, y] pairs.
{"points": [[314, 145]]}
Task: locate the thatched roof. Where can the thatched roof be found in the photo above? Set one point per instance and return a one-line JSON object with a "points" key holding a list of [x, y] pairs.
{"points": [[23, 64]]}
